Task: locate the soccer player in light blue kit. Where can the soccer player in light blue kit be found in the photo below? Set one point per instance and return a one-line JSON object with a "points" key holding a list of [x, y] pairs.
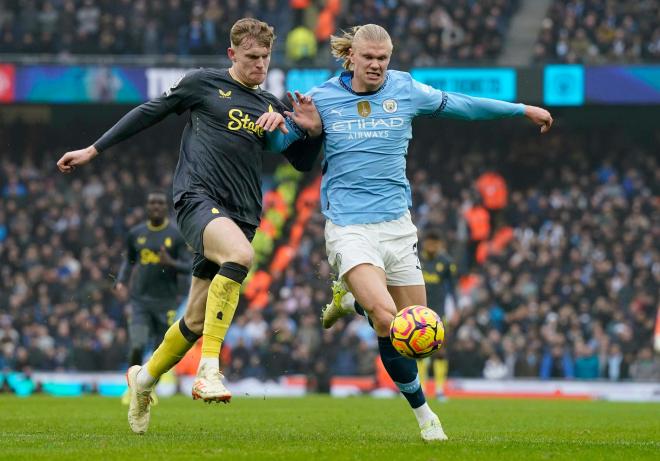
{"points": [[370, 239]]}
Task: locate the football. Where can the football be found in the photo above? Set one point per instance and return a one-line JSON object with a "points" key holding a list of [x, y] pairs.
{"points": [[417, 332]]}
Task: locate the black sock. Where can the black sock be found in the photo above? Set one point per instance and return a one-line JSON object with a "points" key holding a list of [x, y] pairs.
{"points": [[403, 372], [234, 271], [190, 336]]}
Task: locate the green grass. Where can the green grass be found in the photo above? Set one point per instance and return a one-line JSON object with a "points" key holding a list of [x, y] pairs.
{"points": [[321, 428]]}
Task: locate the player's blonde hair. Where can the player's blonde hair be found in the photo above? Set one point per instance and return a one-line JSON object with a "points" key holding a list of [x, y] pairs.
{"points": [[248, 29], [341, 46]]}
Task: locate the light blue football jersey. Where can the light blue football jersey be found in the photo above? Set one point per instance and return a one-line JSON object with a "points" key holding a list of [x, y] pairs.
{"points": [[366, 142]]}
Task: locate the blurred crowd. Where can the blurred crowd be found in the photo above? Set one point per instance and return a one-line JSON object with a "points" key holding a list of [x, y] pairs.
{"points": [[574, 295], [178, 27], [424, 33], [599, 31], [434, 33]]}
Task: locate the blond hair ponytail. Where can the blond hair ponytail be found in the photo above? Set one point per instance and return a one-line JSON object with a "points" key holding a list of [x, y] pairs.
{"points": [[340, 46]]}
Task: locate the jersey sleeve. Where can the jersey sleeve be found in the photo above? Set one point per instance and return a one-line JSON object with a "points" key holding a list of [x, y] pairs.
{"points": [[464, 107], [129, 260], [180, 97], [182, 263], [276, 141], [426, 100]]}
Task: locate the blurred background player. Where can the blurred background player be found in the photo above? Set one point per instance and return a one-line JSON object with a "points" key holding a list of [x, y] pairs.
{"points": [[367, 115], [160, 253], [440, 276]]}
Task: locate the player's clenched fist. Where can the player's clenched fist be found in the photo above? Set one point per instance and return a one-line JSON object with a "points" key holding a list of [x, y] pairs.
{"points": [[74, 158], [539, 116]]}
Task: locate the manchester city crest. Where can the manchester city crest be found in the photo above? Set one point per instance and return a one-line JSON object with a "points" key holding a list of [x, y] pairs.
{"points": [[389, 106]]}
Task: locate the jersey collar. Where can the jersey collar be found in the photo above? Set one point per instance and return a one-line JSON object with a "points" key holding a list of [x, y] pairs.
{"points": [[345, 82], [153, 228], [231, 76]]}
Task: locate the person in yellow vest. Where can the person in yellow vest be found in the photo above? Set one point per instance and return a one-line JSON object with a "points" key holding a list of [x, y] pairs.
{"points": [[301, 45]]}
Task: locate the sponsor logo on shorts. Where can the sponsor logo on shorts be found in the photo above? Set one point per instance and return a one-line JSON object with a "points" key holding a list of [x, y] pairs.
{"points": [[215, 211]]}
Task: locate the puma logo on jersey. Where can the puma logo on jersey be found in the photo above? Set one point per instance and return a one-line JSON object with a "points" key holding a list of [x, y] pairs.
{"points": [[336, 111], [224, 94]]}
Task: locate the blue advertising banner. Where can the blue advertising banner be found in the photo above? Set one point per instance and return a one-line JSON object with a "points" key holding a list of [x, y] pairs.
{"points": [[304, 80], [623, 85], [484, 83], [74, 84]]}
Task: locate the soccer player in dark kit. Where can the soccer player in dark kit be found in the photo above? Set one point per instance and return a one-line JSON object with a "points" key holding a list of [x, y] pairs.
{"points": [[217, 194], [155, 255]]}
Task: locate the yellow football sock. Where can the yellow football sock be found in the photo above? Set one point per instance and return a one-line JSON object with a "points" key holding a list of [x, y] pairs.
{"points": [[423, 370], [221, 304], [171, 350], [440, 369]]}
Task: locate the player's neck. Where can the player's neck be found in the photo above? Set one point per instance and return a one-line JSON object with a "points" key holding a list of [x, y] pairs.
{"points": [[234, 75]]}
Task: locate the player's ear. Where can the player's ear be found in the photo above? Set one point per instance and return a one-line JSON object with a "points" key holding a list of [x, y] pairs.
{"points": [[231, 54]]}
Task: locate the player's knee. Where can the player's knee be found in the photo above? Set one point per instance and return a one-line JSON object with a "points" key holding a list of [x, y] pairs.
{"points": [[381, 315], [242, 255]]}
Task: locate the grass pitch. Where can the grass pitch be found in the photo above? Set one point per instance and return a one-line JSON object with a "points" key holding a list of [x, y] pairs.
{"points": [[322, 428]]}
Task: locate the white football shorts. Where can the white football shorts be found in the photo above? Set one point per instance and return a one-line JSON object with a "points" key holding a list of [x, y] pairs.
{"points": [[390, 245]]}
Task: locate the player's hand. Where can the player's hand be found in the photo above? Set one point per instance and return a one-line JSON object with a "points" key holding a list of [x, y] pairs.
{"points": [[305, 114], [121, 291], [165, 258], [539, 116], [269, 121], [74, 158]]}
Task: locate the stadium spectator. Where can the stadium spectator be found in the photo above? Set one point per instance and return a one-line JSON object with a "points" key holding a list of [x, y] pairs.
{"points": [[598, 31]]}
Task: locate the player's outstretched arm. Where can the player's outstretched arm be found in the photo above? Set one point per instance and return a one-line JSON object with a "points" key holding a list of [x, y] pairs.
{"points": [[464, 107], [179, 98]]}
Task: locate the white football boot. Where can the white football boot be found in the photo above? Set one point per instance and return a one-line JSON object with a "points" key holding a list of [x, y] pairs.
{"points": [[140, 402], [432, 430], [208, 385]]}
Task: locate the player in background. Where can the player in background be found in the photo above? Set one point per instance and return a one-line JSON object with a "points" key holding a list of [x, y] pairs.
{"points": [[439, 271], [160, 254], [367, 114], [217, 194]]}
